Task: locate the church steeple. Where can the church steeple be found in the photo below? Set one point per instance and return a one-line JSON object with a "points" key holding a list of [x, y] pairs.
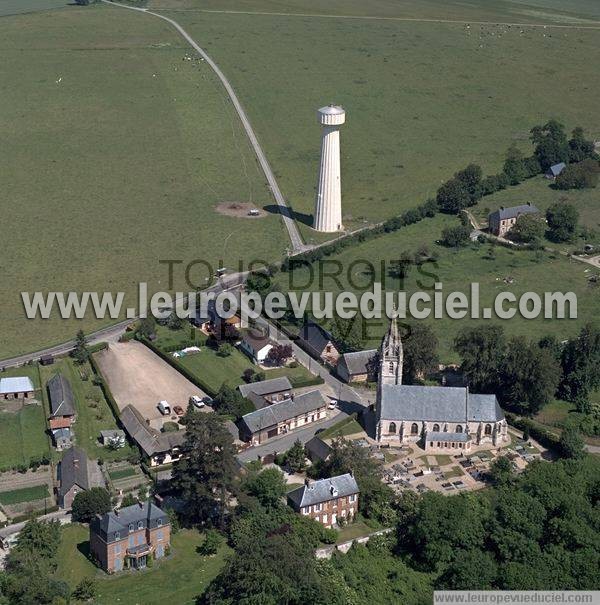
{"points": [[392, 355]]}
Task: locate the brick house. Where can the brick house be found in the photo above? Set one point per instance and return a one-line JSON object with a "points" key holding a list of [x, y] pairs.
{"points": [[283, 417], [327, 500], [125, 538], [62, 410], [318, 343], [502, 221]]}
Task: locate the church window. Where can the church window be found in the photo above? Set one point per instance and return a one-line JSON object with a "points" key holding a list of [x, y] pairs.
{"points": [[414, 429], [488, 429], [458, 428], [391, 366], [436, 428], [392, 427]]}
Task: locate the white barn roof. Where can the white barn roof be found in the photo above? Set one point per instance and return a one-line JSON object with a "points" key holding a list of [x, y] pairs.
{"points": [[16, 384]]}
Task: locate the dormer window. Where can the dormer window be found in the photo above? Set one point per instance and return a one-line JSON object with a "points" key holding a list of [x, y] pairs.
{"points": [[159, 522], [131, 528], [140, 525], [117, 535]]}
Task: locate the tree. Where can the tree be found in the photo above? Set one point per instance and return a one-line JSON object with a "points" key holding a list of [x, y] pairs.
{"points": [[229, 400], [128, 500], [470, 177], [527, 229], [551, 146], [580, 148], [295, 457], [453, 196], [514, 165], [279, 354], [571, 445], [174, 322], [259, 282], [225, 350], [80, 353], [268, 486], [455, 237], [400, 268], [481, 350], [86, 590], [146, 327], [562, 220], [473, 568], [501, 470], [205, 474], [89, 503], [529, 376], [583, 175], [420, 353], [212, 543]]}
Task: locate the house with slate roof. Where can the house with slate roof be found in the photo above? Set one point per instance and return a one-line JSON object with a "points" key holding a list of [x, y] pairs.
{"points": [[358, 367], [502, 221], [318, 342], [62, 411], [266, 392], [73, 476], [283, 417], [450, 419], [127, 538], [158, 448], [16, 387], [316, 449], [327, 500], [555, 170]]}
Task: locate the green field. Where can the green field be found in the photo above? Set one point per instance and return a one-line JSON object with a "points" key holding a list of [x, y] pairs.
{"points": [[178, 579], [456, 269], [93, 412], [345, 427], [122, 474], [27, 494], [115, 153], [14, 7], [423, 98], [22, 433], [215, 370]]}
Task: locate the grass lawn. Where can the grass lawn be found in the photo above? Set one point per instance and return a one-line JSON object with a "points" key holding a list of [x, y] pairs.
{"points": [[93, 412], [27, 494], [423, 98], [555, 413], [14, 7], [122, 473], [347, 426], [455, 471], [178, 579], [22, 433], [133, 147], [455, 269], [355, 530]]}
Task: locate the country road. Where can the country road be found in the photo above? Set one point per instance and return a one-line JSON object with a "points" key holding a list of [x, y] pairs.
{"points": [[295, 238]]}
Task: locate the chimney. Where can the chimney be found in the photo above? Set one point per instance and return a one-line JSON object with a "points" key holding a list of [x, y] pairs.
{"points": [[307, 482], [351, 473], [141, 504], [116, 511], [501, 207]]}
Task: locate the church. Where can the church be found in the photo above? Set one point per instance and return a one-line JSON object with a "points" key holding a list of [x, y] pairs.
{"points": [[448, 419]]}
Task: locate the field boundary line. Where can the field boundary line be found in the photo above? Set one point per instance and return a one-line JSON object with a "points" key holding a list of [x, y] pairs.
{"points": [[590, 23], [296, 240]]}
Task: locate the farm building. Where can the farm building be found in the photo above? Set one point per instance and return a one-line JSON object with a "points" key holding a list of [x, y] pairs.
{"points": [[358, 367], [62, 410], [16, 387], [113, 437], [555, 170], [159, 448], [283, 417], [73, 476], [503, 220], [316, 449]]}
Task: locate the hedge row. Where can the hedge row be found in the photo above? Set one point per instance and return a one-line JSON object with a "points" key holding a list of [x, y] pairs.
{"points": [[539, 432], [181, 369], [298, 383], [100, 346], [99, 380]]}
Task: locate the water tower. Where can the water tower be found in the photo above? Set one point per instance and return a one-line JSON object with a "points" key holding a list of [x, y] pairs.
{"points": [[328, 206]]}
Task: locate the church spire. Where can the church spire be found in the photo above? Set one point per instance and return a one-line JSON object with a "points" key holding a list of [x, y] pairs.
{"points": [[392, 354]]}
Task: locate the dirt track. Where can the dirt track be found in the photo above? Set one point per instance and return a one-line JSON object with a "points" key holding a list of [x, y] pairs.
{"points": [[136, 375]]}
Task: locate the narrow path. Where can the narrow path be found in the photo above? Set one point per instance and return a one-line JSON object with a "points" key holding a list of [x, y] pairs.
{"points": [[296, 240], [585, 23]]}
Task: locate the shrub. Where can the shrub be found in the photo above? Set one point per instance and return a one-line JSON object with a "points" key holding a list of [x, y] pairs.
{"points": [[211, 544]]}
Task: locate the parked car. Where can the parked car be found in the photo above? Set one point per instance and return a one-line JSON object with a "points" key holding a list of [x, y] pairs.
{"points": [[178, 410], [164, 407], [197, 401]]}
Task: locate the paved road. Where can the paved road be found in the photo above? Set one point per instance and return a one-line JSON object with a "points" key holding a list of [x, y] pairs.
{"points": [[296, 240]]}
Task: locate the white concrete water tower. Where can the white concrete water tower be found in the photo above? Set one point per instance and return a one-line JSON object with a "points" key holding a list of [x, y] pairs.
{"points": [[328, 205]]}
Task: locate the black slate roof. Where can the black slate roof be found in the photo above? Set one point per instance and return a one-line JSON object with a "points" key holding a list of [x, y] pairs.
{"points": [[315, 336], [323, 490], [73, 470], [61, 396]]}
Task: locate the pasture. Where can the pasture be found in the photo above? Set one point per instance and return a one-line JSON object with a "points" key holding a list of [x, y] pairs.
{"points": [[116, 151], [423, 97], [496, 269]]}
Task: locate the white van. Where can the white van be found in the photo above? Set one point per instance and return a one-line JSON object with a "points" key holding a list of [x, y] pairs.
{"points": [[164, 408], [196, 401]]}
